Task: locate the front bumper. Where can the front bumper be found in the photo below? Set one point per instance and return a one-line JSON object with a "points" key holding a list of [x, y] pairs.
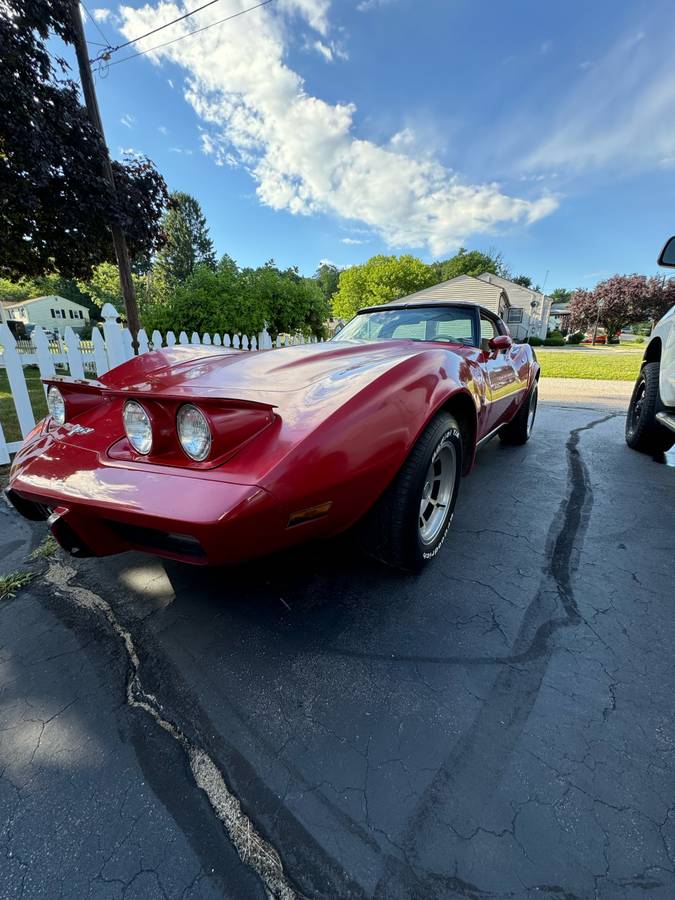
{"points": [[96, 509]]}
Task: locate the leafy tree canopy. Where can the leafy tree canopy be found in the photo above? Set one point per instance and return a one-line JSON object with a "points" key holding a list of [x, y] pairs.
{"points": [[55, 205], [327, 277], [620, 301], [187, 240], [380, 280], [561, 295], [470, 262]]}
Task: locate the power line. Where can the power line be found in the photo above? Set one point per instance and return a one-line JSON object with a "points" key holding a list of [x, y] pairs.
{"points": [[180, 37], [97, 27], [160, 27]]}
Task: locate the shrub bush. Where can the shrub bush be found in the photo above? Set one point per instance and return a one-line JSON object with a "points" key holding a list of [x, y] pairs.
{"points": [[558, 341], [534, 341], [576, 338]]}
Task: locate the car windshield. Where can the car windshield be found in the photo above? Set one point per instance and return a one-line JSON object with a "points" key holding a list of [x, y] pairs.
{"points": [[450, 324]]}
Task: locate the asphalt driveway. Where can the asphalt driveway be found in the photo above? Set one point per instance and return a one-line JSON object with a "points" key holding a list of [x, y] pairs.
{"points": [[316, 725]]}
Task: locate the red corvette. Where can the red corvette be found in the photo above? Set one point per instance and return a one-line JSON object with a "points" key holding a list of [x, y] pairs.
{"points": [[213, 456]]}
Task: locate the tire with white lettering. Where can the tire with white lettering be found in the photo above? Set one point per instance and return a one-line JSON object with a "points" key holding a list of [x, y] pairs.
{"points": [[407, 526]]}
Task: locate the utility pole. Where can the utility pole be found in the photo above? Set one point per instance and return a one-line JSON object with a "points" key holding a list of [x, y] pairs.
{"points": [[118, 237]]}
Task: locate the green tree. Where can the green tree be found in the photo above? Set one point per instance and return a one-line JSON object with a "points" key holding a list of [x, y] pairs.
{"points": [[187, 241], [380, 280], [55, 207], [561, 295], [327, 276], [469, 262]]}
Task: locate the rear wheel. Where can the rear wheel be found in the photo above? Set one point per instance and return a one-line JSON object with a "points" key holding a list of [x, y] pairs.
{"points": [[519, 429], [643, 431], [408, 524]]}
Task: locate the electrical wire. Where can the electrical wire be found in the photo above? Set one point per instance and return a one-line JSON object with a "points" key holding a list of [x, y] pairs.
{"points": [[160, 27], [96, 26], [241, 12]]}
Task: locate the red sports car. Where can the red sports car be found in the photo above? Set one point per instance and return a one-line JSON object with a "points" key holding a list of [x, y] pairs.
{"points": [[214, 456]]}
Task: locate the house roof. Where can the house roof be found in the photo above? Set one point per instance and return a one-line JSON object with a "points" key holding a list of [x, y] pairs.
{"points": [[10, 304], [509, 285], [436, 291]]}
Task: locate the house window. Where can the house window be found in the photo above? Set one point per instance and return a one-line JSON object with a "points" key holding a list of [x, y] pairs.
{"points": [[514, 316], [53, 312], [80, 313]]}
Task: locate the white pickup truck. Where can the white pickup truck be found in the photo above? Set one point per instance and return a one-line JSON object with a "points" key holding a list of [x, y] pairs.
{"points": [[650, 424]]}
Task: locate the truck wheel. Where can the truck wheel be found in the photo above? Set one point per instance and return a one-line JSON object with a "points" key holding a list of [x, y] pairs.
{"points": [[408, 524], [520, 427], [643, 431]]}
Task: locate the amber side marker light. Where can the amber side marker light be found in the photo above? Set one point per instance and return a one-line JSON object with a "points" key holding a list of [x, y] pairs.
{"points": [[307, 515]]}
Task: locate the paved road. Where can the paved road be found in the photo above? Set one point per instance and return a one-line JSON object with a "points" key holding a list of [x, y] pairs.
{"points": [[500, 726]]}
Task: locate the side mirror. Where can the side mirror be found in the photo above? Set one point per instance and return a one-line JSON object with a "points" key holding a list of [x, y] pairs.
{"points": [[667, 255], [500, 342]]}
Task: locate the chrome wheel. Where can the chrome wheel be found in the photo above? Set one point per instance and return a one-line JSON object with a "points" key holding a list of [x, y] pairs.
{"points": [[532, 411], [437, 491]]}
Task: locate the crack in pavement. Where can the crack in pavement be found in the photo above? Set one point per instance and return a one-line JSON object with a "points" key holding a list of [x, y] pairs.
{"points": [[465, 784], [252, 848], [574, 512]]}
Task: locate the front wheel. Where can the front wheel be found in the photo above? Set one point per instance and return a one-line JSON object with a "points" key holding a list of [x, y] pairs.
{"points": [[408, 524], [643, 431], [519, 429]]}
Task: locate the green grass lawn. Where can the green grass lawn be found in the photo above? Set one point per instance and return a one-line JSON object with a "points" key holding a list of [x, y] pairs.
{"points": [[10, 423], [580, 364]]}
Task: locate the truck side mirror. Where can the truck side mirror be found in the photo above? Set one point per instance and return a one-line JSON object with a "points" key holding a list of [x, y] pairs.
{"points": [[667, 255]]}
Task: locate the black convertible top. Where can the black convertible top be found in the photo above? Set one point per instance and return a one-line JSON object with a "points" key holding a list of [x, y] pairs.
{"points": [[413, 304]]}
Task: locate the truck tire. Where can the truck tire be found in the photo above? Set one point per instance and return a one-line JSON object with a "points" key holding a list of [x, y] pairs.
{"points": [[643, 431]]}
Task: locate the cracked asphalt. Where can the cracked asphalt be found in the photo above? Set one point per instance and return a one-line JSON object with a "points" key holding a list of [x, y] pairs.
{"points": [[316, 725]]}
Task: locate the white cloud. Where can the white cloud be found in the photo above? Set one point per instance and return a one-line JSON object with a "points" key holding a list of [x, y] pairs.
{"points": [[302, 151], [171, 84], [163, 129], [330, 51], [618, 112], [367, 5], [128, 120], [352, 242], [129, 151], [182, 151], [101, 15]]}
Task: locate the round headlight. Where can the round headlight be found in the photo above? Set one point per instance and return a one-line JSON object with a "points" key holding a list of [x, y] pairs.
{"points": [[138, 427], [56, 405], [194, 433]]}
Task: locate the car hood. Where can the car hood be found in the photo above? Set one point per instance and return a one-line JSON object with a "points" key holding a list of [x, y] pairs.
{"points": [[262, 375]]}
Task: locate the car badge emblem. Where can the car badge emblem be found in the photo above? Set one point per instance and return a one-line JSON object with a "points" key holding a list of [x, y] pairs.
{"points": [[78, 429]]}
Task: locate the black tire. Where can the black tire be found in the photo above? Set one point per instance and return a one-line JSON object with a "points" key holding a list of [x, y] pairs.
{"points": [[643, 431], [520, 427], [392, 531]]}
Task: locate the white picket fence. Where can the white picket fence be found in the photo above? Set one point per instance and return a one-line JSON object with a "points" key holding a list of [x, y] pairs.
{"points": [[94, 358]]}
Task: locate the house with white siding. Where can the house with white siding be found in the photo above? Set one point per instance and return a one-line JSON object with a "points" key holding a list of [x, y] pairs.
{"points": [[524, 310], [52, 312]]}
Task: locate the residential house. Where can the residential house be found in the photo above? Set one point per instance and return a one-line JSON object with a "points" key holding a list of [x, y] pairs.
{"points": [[464, 287], [530, 309], [53, 313], [525, 311], [560, 317]]}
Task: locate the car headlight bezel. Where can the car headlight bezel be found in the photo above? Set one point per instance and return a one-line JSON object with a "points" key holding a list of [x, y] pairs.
{"points": [[56, 405], [199, 448], [143, 423]]}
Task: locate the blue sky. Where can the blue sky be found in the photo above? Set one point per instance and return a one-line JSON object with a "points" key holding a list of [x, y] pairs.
{"points": [[313, 130]]}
